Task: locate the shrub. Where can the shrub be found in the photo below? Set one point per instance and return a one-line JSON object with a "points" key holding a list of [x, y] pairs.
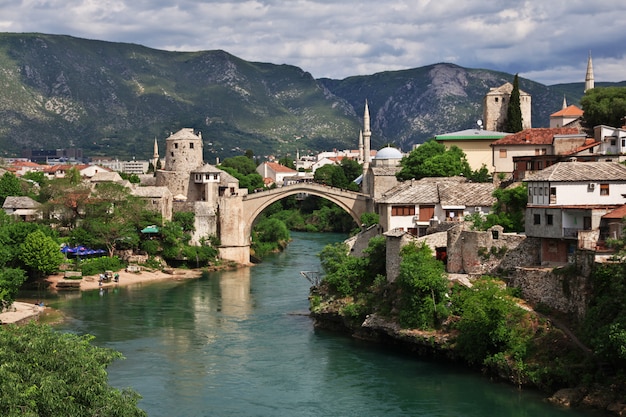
{"points": [[95, 266]]}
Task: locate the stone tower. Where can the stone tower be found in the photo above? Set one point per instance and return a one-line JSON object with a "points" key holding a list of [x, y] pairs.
{"points": [[183, 154], [589, 82], [183, 151], [495, 105]]}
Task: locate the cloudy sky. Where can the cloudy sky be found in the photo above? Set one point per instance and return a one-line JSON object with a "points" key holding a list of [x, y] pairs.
{"points": [[544, 40]]}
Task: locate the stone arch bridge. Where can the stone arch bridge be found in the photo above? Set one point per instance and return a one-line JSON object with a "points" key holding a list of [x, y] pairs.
{"points": [[253, 204]]}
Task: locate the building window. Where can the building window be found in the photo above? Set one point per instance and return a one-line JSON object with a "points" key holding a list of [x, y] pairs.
{"points": [[403, 210], [539, 165], [502, 153], [176, 146], [613, 142], [604, 189], [190, 145], [529, 166], [496, 99], [549, 219], [537, 219], [623, 143]]}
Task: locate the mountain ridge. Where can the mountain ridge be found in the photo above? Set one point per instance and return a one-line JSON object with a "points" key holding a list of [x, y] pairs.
{"points": [[114, 99]]}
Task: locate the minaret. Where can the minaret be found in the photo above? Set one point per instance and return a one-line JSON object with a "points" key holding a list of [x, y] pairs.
{"points": [[589, 82], [367, 134], [361, 155], [155, 155], [564, 103]]}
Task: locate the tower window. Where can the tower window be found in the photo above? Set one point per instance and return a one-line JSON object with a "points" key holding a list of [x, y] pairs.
{"points": [[176, 146], [190, 145]]}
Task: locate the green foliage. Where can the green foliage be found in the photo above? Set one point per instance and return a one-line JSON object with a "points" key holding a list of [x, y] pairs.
{"points": [[185, 219], [199, 256], [369, 219], [241, 164], [46, 373], [509, 208], [603, 106], [9, 186], [477, 221], [513, 122], [10, 281], [480, 175], [41, 254], [287, 161], [605, 321], [490, 322], [251, 181], [150, 246], [423, 285], [94, 266], [268, 235], [432, 159]]}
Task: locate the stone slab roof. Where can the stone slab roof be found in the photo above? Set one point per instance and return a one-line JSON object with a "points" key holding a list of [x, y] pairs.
{"points": [[580, 171], [20, 203], [453, 191], [151, 192], [468, 194]]}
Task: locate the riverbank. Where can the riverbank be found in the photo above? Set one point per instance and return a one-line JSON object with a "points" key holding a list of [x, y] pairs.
{"points": [[23, 311]]}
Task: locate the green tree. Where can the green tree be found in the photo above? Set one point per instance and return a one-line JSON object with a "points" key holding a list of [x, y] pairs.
{"points": [[603, 106], [287, 161], [432, 159], [369, 219], [48, 373], [509, 208], [41, 254], [490, 322], [11, 279], [9, 186], [513, 122], [423, 285]]}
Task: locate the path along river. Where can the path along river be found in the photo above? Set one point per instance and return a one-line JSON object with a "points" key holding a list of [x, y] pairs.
{"points": [[239, 343]]}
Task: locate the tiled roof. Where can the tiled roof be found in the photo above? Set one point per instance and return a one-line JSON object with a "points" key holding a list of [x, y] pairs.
{"points": [[276, 167], [12, 202], [589, 143], [535, 136], [581, 171], [468, 194], [151, 192], [569, 111], [618, 213], [447, 191]]}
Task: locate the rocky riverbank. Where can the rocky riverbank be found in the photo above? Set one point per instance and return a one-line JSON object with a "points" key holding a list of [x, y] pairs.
{"points": [[440, 345]]}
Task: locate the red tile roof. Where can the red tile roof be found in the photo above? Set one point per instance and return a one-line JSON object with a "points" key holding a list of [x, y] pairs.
{"points": [[569, 111], [535, 136], [276, 167], [618, 213]]}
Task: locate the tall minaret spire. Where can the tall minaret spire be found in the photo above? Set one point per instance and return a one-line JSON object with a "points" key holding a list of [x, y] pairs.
{"points": [[564, 102], [589, 82], [155, 155], [361, 151], [367, 134]]}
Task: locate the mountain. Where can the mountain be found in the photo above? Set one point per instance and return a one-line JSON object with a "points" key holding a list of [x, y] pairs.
{"points": [[114, 99]]}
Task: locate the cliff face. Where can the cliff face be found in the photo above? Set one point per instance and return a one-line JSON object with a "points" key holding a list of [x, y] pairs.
{"points": [[114, 99]]}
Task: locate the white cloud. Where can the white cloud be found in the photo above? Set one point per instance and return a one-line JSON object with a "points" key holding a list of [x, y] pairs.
{"points": [[545, 41]]}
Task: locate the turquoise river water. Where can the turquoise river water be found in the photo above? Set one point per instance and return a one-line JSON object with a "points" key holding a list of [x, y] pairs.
{"points": [[240, 343]]}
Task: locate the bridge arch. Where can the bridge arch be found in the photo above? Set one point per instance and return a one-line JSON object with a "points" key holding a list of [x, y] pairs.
{"points": [[353, 203]]}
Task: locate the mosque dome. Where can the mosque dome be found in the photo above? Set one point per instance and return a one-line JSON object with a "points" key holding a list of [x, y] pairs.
{"points": [[388, 153]]}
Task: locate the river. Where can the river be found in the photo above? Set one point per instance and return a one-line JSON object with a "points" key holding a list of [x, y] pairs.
{"points": [[239, 343]]}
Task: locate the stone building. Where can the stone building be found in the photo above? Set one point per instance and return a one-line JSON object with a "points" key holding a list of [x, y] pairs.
{"points": [[211, 194], [495, 104]]}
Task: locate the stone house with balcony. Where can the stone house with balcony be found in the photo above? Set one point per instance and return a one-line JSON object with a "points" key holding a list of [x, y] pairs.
{"points": [[566, 202], [413, 206]]}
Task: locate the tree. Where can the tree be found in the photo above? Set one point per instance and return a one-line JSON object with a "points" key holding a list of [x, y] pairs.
{"points": [[513, 122], [41, 254], [48, 373], [603, 106], [287, 161], [432, 159], [10, 281], [9, 186], [423, 285], [509, 208]]}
